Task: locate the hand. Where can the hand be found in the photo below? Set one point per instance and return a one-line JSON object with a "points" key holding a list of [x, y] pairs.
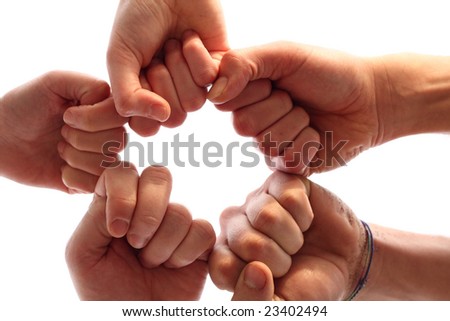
{"points": [[32, 130], [171, 265], [171, 78], [140, 30], [93, 137], [321, 101], [326, 266]]}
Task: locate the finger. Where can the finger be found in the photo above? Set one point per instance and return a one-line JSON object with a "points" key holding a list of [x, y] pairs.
{"points": [[131, 99], [196, 245], [119, 186], [191, 96], [144, 126], [300, 153], [224, 267], [282, 133], [239, 67], [73, 86], [254, 284], [253, 119], [90, 240], [95, 142], [267, 216], [92, 163], [78, 181], [172, 231], [161, 81], [202, 66], [292, 193], [251, 245], [255, 92], [94, 118], [155, 186]]}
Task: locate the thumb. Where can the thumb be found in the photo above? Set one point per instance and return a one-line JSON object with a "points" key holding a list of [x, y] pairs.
{"points": [[90, 240], [239, 67], [74, 86], [254, 284], [131, 98]]}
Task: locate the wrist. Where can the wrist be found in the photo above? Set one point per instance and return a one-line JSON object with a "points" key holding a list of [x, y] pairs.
{"points": [[412, 95], [3, 140], [7, 159], [407, 266], [365, 263]]}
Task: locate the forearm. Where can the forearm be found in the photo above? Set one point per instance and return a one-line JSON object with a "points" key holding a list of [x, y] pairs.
{"points": [[408, 266], [9, 146], [4, 148], [413, 94]]}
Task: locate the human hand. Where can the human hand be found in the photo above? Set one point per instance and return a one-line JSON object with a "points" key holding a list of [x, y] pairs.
{"points": [[170, 265], [327, 264], [172, 78], [33, 130], [140, 30], [323, 102], [93, 137]]}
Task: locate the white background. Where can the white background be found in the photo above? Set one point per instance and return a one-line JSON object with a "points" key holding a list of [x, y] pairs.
{"points": [[403, 184]]}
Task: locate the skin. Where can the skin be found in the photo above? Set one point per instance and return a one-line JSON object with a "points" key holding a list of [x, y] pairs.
{"points": [[51, 134], [103, 264], [170, 77], [138, 37], [321, 264], [363, 102], [332, 253]]}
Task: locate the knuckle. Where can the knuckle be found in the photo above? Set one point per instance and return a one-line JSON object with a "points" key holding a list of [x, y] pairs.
{"points": [[227, 215], [206, 76], [295, 245], [193, 103], [180, 214], [158, 175], [124, 105], [223, 273], [284, 100], [121, 137], [243, 124], [255, 246], [266, 217], [157, 73], [302, 116], [176, 119], [231, 58], [289, 198], [150, 222], [122, 202], [268, 143], [178, 261], [205, 232]]}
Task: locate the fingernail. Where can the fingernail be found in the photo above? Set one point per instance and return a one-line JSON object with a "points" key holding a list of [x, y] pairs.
{"points": [[69, 118], [64, 132], [158, 113], [137, 241], [119, 228], [254, 278], [217, 89], [61, 147]]}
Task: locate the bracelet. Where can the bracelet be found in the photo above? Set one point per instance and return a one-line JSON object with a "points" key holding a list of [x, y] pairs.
{"points": [[363, 278]]}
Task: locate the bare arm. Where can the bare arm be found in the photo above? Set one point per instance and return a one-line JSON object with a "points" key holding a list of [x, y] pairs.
{"points": [[408, 266], [413, 94]]}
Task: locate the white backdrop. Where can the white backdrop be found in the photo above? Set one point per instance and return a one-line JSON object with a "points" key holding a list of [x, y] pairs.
{"points": [[402, 184]]}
